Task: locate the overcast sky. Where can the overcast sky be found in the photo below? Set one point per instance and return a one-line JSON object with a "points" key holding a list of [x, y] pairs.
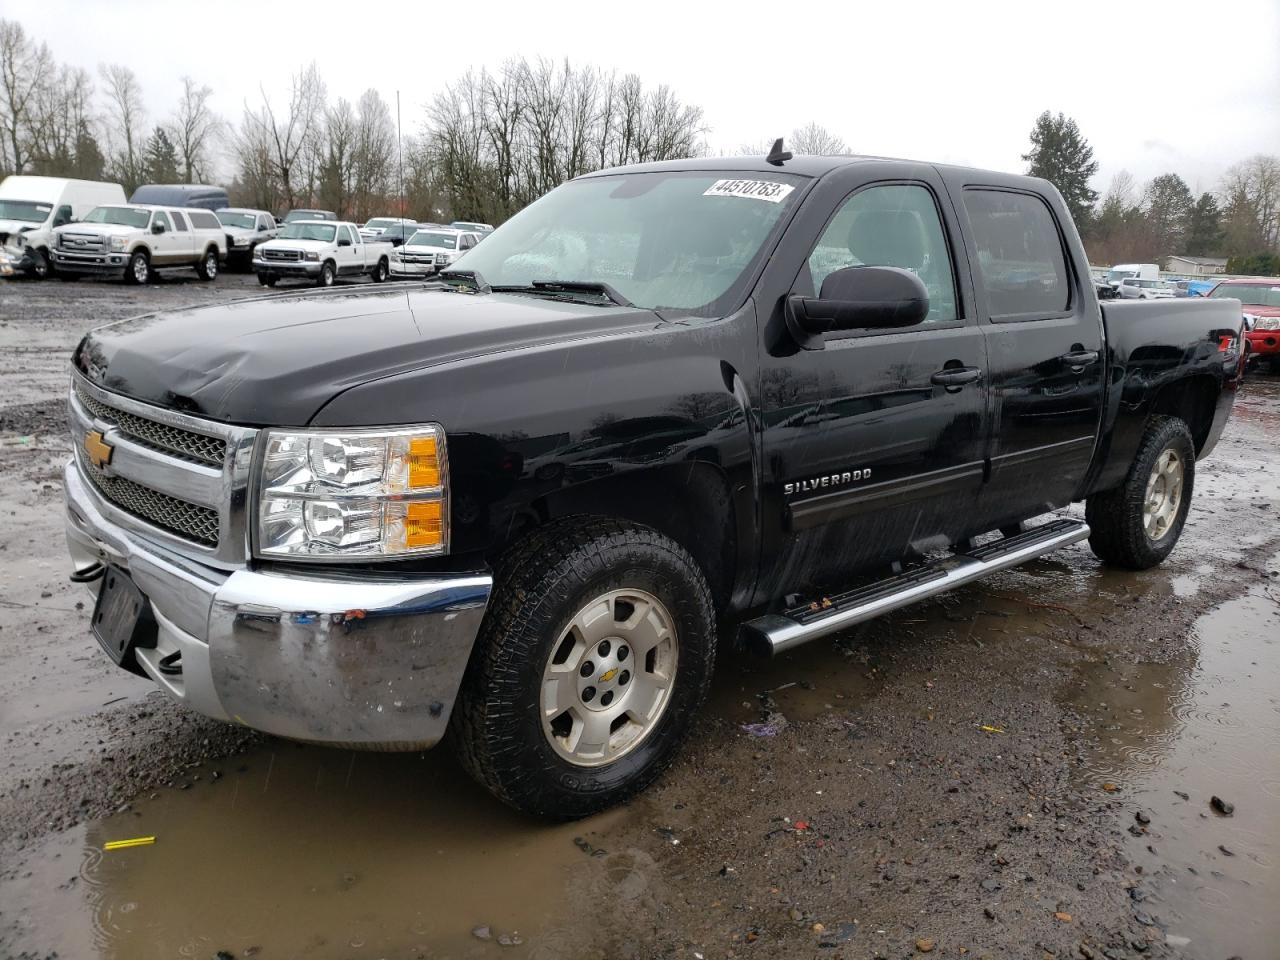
{"points": [[1155, 87]]}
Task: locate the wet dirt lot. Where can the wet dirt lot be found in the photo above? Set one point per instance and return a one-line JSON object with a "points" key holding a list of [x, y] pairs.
{"points": [[1021, 769]]}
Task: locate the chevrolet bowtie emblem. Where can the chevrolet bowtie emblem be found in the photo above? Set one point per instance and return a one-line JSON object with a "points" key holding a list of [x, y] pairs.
{"points": [[608, 675], [98, 450]]}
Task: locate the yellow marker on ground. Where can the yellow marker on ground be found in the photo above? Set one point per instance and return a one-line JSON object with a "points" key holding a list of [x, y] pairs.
{"points": [[126, 844], [991, 729]]}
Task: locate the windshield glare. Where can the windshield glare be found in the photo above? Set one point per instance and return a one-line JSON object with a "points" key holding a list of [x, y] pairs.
{"points": [[246, 221], [308, 231], [423, 239], [1252, 294], [24, 210], [123, 216], [681, 241], [293, 215], [379, 223]]}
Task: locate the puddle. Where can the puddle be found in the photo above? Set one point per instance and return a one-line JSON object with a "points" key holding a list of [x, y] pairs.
{"points": [[1202, 725], [305, 852]]}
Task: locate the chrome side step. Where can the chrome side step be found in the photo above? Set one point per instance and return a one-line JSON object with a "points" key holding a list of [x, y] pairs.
{"points": [[776, 632]]}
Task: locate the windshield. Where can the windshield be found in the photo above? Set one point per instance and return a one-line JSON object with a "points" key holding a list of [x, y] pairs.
{"points": [[680, 241], [380, 223], [467, 226], [1253, 294], [1115, 275], [1152, 284], [24, 210], [124, 216], [308, 231], [245, 220], [424, 239], [293, 215]]}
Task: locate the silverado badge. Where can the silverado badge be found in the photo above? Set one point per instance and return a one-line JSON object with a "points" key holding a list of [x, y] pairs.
{"points": [[98, 450]]}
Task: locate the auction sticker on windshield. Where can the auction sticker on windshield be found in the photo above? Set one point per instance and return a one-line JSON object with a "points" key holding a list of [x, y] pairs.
{"points": [[751, 189]]}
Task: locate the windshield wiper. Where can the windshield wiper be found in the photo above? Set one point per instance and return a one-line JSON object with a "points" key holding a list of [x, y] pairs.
{"points": [[471, 277], [569, 286]]}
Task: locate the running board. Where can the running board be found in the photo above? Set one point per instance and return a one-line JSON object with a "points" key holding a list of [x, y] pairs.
{"points": [[777, 632]]}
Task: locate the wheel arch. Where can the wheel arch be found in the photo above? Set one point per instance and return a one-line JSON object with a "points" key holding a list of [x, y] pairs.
{"points": [[691, 503], [1192, 400]]}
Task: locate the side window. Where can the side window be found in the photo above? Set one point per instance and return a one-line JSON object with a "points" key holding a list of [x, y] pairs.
{"points": [[1020, 258], [265, 223], [62, 216], [468, 242], [178, 222], [345, 234], [895, 225], [203, 220], [162, 218]]}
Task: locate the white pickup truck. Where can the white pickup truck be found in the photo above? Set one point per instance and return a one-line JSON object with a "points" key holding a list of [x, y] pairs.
{"points": [[137, 239], [320, 250]]}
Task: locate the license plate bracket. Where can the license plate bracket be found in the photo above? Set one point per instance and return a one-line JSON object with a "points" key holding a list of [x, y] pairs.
{"points": [[122, 617]]}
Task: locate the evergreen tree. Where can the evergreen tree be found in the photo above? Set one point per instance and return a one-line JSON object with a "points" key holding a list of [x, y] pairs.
{"points": [[160, 160], [90, 164], [1168, 204], [1204, 228], [1061, 155]]}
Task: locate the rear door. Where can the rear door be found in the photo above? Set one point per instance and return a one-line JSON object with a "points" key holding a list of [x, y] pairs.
{"points": [[183, 241], [1044, 348], [877, 438]]}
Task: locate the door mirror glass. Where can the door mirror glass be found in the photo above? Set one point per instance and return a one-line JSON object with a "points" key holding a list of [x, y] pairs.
{"points": [[157, 227], [858, 298], [344, 241]]}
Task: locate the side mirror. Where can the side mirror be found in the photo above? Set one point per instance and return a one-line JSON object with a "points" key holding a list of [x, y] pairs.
{"points": [[157, 228], [856, 298], [344, 242]]}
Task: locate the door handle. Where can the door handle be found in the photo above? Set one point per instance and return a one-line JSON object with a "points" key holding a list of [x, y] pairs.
{"points": [[1079, 359], [955, 377]]}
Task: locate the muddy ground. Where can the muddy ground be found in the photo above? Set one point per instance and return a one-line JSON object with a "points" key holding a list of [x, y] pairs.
{"points": [[1021, 769]]}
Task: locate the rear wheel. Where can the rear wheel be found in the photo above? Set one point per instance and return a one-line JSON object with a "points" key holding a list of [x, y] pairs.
{"points": [[380, 272], [139, 268], [1137, 524], [597, 647], [327, 274], [207, 268]]}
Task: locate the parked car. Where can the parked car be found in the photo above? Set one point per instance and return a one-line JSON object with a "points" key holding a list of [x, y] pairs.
{"points": [[893, 367], [135, 240], [428, 251], [1261, 302], [245, 229], [373, 228], [1134, 288], [31, 208], [181, 195], [483, 229], [397, 234], [320, 250], [303, 214], [1142, 271]]}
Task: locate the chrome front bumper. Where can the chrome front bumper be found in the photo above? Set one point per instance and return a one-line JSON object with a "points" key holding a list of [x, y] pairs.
{"points": [[371, 662]]}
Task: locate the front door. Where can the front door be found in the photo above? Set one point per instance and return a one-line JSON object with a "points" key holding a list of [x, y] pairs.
{"points": [[163, 245], [1044, 343], [877, 439], [350, 253]]}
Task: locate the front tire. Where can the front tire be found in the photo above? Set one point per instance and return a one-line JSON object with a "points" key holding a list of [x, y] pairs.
{"points": [[597, 648], [139, 268], [1137, 524], [41, 268], [327, 275], [207, 268], [267, 280]]}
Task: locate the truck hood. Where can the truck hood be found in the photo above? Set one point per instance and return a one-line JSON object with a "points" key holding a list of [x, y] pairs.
{"points": [[276, 360], [280, 243], [18, 226], [101, 229]]}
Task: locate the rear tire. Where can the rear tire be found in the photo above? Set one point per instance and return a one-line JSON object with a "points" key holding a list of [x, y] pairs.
{"points": [[1137, 524], [628, 695], [207, 268], [139, 268], [327, 275], [381, 271]]}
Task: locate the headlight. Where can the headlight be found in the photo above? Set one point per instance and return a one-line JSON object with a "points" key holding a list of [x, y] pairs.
{"points": [[1267, 323], [354, 494], [311, 255], [444, 258], [119, 243]]}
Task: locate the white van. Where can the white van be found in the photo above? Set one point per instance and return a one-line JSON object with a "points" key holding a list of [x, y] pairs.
{"points": [[31, 207], [1135, 271]]}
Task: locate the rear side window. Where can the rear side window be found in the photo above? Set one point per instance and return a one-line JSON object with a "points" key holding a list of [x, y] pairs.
{"points": [[178, 222], [203, 220], [1020, 257]]}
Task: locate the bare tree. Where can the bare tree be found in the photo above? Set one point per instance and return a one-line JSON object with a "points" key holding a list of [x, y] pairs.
{"points": [[126, 123], [194, 130], [61, 120], [374, 156], [290, 136], [816, 140], [1251, 200], [24, 72]]}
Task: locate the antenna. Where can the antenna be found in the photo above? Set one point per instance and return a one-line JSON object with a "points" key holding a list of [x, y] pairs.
{"points": [[778, 154], [400, 151]]}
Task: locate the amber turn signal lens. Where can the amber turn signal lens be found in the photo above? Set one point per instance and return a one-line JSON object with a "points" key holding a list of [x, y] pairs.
{"points": [[424, 524], [424, 463]]}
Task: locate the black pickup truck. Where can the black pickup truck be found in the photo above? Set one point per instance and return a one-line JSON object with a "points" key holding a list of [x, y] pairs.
{"points": [[667, 412]]}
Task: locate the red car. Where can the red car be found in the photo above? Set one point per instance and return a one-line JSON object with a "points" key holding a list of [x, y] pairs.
{"points": [[1261, 300]]}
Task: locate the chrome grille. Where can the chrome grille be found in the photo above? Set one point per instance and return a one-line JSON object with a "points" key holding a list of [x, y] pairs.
{"points": [[270, 253], [160, 436], [82, 242], [188, 520]]}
